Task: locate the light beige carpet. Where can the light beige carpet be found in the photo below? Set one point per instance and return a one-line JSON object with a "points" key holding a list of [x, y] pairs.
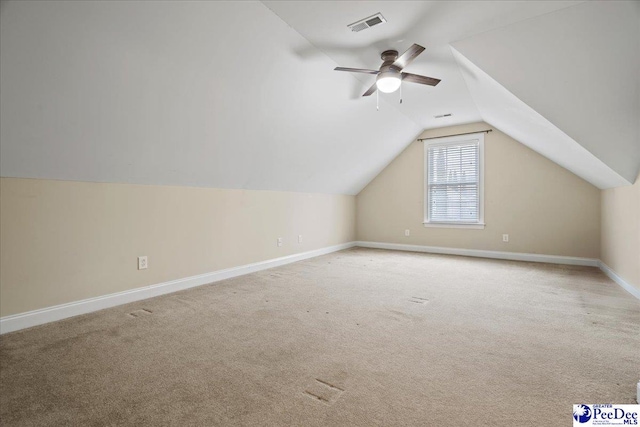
{"points": [[357, 338]]}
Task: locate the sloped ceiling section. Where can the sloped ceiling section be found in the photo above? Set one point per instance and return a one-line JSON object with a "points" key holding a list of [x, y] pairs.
{"points": [[506, 112], [209, 94], [243, 94], [566, 84]]}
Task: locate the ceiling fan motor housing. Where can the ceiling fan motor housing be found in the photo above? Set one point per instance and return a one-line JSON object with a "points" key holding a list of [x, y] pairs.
{"points": [[389, 57], [388, 80]]}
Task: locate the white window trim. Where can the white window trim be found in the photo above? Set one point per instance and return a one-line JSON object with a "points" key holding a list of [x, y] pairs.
{"points": [[445, 141]]}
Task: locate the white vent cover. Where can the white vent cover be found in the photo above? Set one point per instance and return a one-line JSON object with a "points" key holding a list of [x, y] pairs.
{"points": [[369, 22]]}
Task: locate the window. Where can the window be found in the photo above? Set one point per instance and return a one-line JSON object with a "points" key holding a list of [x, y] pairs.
{"points": [[454, 181]]}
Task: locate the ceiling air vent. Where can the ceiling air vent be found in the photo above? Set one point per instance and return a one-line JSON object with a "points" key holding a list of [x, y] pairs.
{"points": [[369, 22], [441, 116]]}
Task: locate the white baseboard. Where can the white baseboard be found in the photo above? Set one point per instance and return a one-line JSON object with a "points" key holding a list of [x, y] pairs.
{"points": [[619, 280], [51, 314], [514, 256], [63, 311]]}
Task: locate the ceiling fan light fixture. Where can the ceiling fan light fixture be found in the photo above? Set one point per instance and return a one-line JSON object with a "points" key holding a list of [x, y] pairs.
{"points": [[391, 74], [388, 81]]}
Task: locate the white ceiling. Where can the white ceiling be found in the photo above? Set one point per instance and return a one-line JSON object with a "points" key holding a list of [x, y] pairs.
{"points": [[572, 65], [243, 94], [433, 24]]}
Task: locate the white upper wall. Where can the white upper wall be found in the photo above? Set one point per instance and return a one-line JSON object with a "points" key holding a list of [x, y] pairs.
{"points": [[208, 94]]}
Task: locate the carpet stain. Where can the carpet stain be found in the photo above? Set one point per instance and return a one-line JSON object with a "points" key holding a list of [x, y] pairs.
{"points": [[323, 391], [140, 313]]}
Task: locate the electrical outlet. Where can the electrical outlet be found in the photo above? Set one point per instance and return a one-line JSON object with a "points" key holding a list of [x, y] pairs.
{"points": [[505, 238], [279, 241], [142, 263], [299, 238], [407, 232]]}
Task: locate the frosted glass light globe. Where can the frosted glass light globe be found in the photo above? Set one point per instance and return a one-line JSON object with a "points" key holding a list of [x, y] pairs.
{"points": [[388, 81]]}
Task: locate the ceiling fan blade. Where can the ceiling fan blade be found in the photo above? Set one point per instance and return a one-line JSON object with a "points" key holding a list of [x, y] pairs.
{"points": [[357, 70], [415, 78], [371, 90], [408, 56]]}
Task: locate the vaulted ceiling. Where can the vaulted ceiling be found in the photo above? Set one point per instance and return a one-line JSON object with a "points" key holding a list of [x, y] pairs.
{"points": [[243, 94]]}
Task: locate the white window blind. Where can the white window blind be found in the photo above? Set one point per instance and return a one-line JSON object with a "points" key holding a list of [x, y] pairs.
{"points": [[453, 182]]}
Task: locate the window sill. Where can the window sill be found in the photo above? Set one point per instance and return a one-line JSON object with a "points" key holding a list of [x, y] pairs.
{"points": [[475, 225]]}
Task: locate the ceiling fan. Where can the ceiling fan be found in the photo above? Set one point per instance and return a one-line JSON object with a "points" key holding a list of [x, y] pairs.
{"points": [[390, 74]]}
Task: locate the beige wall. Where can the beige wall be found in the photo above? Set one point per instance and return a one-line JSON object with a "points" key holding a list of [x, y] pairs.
{"points": [[65, 241], [621, 231], [543, 207]]}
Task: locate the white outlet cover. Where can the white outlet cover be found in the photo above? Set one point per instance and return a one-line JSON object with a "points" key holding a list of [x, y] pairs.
{"points": [[142, 263], [299, 238], [505, 237], [407, 232]]}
